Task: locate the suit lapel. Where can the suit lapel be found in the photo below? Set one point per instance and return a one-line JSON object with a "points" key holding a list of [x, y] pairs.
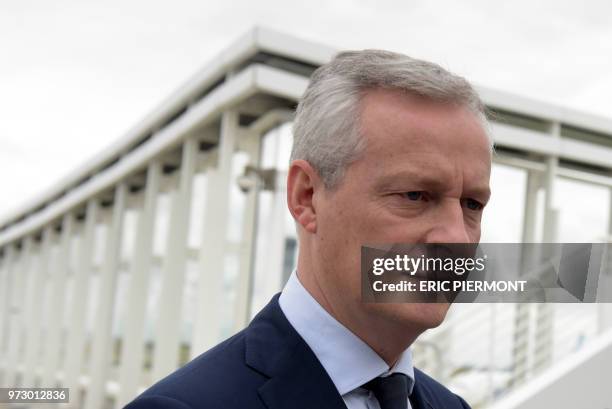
{"points": [[296, 377], [420, 396], [303, 384]]}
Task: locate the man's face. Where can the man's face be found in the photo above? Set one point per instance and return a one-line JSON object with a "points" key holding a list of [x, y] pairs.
{"points": [[423, 178]]}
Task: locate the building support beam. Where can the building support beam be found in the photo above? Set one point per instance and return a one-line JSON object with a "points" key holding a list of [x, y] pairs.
{"points": [[40, 274], [522, 327], [168, 325], [543, 336], [271, 247], [77, 332], [207, 325], [132, 353], [58, 277], [18, 324], [102, 342], [6, 278], [604, 316], [244, 284]]}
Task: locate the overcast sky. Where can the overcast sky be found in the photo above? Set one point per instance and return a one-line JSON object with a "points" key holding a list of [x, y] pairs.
{"points": [[76, 75]]}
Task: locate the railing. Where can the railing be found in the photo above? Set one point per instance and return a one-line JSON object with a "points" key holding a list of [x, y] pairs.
{"points": [[486, 351]]}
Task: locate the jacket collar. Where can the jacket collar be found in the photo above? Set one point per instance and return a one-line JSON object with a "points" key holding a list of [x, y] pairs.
{"points": [[296, 377], [420, 398], [334, 345]]}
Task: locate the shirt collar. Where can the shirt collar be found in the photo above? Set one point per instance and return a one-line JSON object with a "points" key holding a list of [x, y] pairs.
{"points": [[348, 360]]}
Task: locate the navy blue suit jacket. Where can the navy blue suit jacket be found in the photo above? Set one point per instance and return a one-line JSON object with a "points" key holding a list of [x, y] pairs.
{"points": [[267, 366]]}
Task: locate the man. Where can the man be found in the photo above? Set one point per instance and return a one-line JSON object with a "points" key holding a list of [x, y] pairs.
{"points": [[388, 149]]}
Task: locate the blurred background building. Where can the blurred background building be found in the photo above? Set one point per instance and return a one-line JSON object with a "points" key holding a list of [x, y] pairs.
{"points": [[174, 237]]}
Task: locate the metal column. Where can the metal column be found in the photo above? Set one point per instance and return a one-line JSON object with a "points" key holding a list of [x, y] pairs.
{"points": [[76, 332], [32, 352], [133, 337], [604, 313], [6, 278], [168, 325], [58, 277], [101, 349], [18, 319], [244, 285], [522, 327], [207, 323], [543, 336]]}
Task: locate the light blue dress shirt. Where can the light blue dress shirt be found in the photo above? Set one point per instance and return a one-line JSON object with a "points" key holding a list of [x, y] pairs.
{"points": [[348, 360]]}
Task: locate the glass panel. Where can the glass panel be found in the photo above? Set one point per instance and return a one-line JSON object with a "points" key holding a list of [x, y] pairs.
{"points": [[502, 221], [583, 211]]}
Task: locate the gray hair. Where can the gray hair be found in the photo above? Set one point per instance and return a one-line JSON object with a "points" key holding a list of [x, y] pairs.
{"points": [[326, 128]]}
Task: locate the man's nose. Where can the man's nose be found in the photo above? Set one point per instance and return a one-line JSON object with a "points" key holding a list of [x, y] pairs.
{"points": [[448, 224]]}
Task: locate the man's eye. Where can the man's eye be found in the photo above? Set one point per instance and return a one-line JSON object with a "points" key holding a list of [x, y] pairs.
{"points": [[473, 204], [414, 195]]}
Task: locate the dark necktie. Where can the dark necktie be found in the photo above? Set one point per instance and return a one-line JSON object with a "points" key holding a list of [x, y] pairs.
{"points": [[390, 391]]}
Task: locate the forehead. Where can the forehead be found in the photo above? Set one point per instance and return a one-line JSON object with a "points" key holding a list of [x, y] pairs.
{"points": [[406, 132]]}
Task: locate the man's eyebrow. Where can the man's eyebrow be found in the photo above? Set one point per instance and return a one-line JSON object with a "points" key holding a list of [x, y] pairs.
{"points": [[394, 179], [482, 192], [410, 176]]}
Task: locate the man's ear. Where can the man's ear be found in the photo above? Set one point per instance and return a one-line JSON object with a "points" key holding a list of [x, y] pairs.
{"points": [[302, 181]]}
